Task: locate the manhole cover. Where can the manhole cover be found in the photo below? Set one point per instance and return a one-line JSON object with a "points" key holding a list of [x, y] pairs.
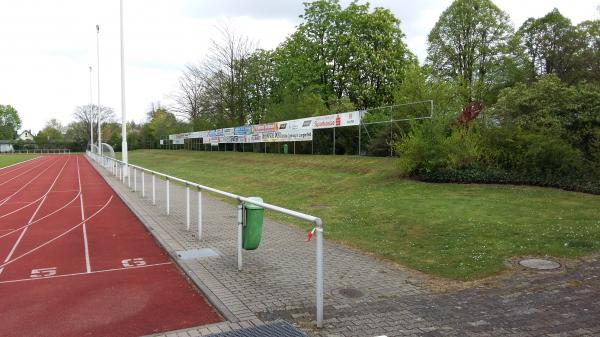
{"points": [[196, 253], [350, 293], [540, 264]]}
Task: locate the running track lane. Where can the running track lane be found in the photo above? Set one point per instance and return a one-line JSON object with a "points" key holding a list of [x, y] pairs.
{"points": [[86, 266]]}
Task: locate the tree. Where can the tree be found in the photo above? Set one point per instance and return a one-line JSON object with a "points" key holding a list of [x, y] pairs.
{"points": [[10, 122], [87, 114], [589, 32], [352, 52], [188, 104], [52, 133], [551, 106], [467, 45], [162, 123], [553, 46]]}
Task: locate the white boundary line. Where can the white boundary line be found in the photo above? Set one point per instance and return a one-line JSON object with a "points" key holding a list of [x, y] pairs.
{"points": [[88, 267], [16, 244], [15, 164], [29, 182], [56, 237], [86, 273]]}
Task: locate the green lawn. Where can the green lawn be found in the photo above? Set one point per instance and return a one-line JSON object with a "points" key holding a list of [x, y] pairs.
{"points": [[9, 159], [455, 231]]}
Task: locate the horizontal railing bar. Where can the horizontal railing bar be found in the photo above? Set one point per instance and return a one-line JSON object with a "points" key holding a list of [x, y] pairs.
{"points": [[283, 210]]}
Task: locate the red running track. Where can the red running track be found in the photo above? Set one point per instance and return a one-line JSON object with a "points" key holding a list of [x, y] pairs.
{"points": [[75, 261]]}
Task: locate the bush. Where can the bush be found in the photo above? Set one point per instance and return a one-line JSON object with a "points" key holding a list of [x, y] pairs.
{"points": [[433, 151], [432, 144]]}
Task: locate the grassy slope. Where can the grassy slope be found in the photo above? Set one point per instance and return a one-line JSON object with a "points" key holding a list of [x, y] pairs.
{"points": [[455, 231], [9, 159]]}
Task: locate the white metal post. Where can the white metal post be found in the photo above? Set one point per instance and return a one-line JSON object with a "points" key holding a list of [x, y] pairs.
{"points": [[124, 115], [187, 206], [99, 135], [128, 176], [239, 243], [90, 111], [143, 185], [199, 213], [319, 272], [168, 187], [134, 179], [153, 189]]}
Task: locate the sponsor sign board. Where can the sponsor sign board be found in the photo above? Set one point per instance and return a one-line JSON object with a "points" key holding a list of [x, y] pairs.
{"points": [[269, 127], [336, 120], [228, 132], [179, 141]]}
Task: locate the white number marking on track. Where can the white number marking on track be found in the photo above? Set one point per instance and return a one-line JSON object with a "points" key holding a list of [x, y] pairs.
{"points": [[43, 272], [136, 262]]}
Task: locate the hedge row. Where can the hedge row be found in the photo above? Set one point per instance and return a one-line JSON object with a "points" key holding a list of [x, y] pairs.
{"points": [[497, 176]]}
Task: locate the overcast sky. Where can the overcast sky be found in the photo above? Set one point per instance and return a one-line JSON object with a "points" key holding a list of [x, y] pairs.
{"points": [[47, 46]]}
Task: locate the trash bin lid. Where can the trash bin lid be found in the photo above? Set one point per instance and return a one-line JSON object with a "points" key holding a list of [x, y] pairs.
{"points": [[252, 206]]}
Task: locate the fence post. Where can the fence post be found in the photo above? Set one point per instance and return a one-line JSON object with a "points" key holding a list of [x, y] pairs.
{"points": [[128, 176], [199, 213], [143, 185], [239, 240], [187, 206], [134, 179], [153, 189], [319, 272], [168, 187]]}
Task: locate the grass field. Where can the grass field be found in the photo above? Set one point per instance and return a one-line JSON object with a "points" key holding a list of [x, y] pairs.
{"points": [[9, 159], [460, 232]]}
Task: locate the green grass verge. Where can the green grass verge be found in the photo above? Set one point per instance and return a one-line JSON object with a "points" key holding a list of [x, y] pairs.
{"points": [[9, 159], [456, 231]]}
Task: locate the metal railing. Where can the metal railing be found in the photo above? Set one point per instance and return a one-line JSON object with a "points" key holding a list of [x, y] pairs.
{"points": [[122, 171]]}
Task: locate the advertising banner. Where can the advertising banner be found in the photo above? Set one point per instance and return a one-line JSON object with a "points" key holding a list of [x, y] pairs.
{"points": [[178, 141], [269, 127], [242, 130], [291, 130], [287, 136], [336, 120], [228, 132]]}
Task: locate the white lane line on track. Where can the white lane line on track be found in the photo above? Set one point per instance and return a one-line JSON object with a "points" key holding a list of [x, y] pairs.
{"points": [[88, 267], [29, 182], [57, 237], [40, 219], [14, 247], [12, 251], [22, 173], [2, 172], [86, 273]]}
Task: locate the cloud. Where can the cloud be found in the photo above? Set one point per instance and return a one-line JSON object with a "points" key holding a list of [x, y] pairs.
{"points": [[260, 9]]}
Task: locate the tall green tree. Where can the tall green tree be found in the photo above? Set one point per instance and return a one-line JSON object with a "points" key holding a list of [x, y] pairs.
{"points": [[589, 65], [467, 44], [553, 46], [352, 52], [10, 122]]}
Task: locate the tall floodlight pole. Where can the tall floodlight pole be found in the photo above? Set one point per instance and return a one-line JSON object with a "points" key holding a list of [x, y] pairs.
{"points": [[124, 116], [90, 111], [98, 107]]}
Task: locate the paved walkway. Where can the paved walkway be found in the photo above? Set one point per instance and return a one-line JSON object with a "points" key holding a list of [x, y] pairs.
{"points": [[364, 296]]}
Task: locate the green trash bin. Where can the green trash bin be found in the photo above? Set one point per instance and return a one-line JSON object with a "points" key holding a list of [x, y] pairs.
{"points": [[253, 222], [285, 148]]}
